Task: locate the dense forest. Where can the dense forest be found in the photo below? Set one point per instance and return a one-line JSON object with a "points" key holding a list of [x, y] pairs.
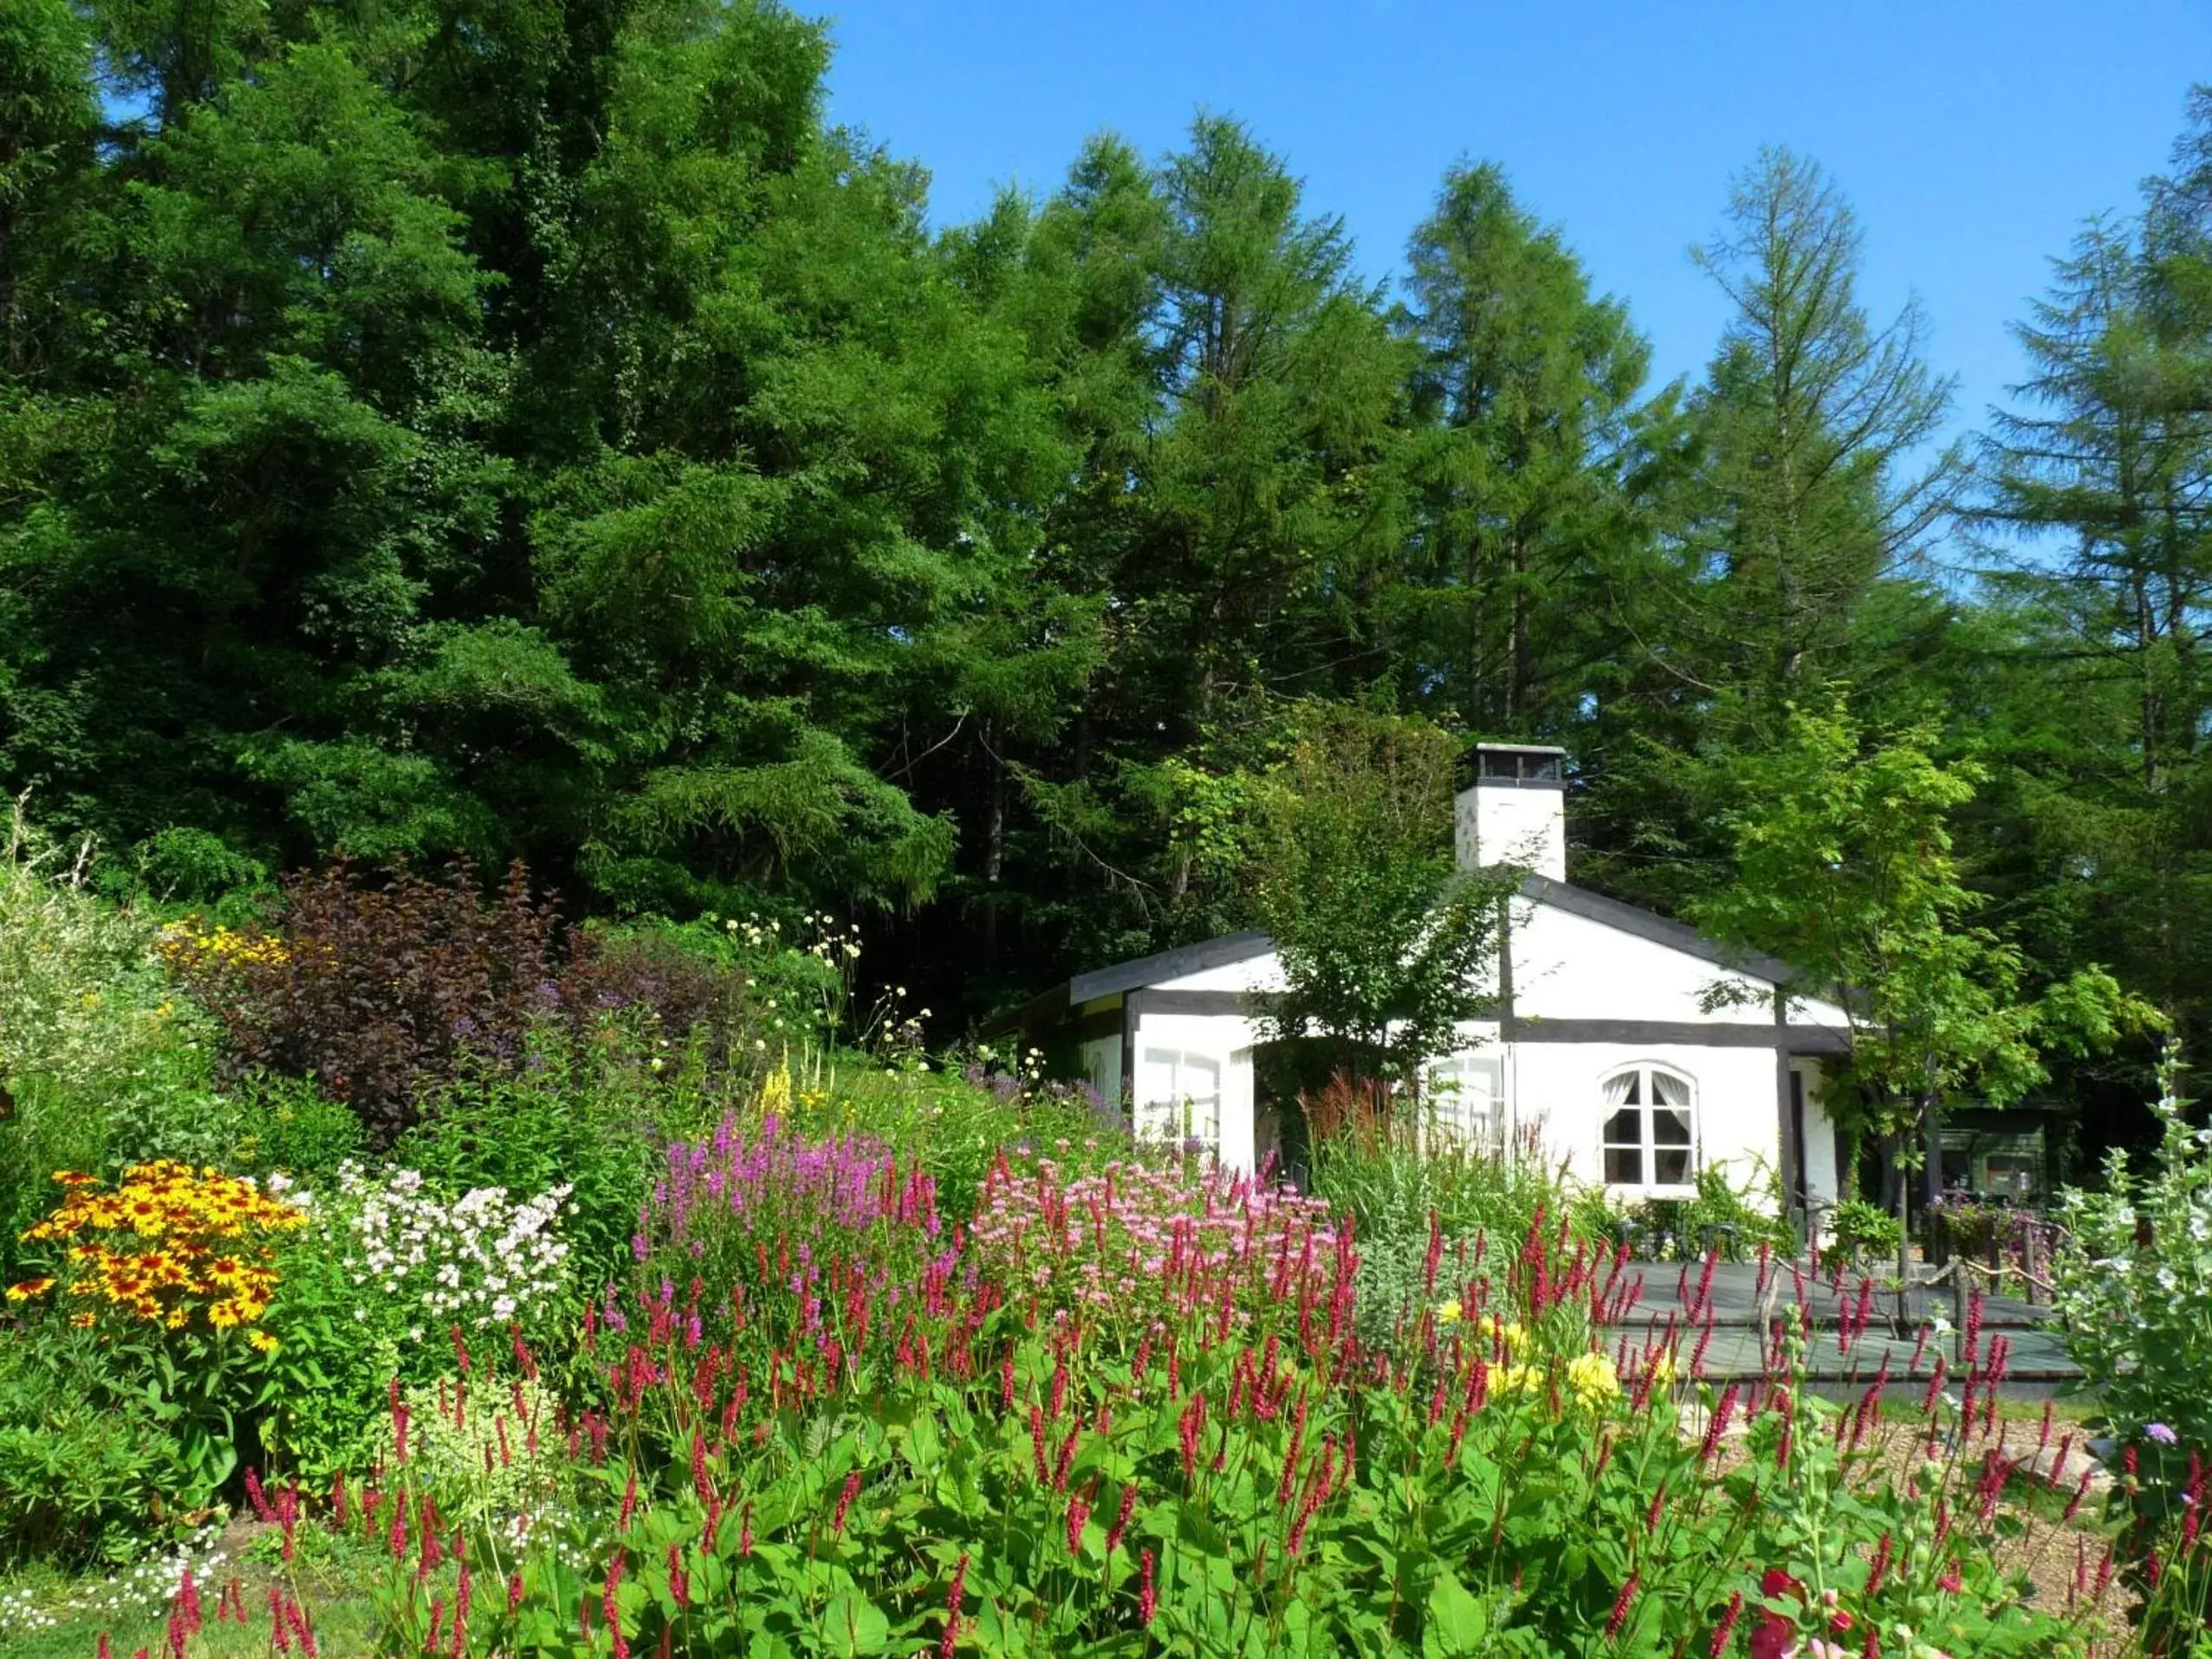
{"points": [[526, 428]]}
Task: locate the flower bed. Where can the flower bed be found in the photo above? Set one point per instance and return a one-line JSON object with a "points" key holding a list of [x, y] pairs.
{"points": [[891, 1442]]}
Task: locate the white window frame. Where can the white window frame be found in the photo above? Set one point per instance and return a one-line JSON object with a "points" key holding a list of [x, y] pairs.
{"points": [[1647, 1146], [1465, 1101], [1190, 1107]]}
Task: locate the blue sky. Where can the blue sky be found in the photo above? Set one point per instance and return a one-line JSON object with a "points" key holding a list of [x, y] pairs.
{"points": [[1972, 137]]}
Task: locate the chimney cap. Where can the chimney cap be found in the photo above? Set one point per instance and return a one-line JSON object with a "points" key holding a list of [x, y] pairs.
{"points": [[1514, 765]]}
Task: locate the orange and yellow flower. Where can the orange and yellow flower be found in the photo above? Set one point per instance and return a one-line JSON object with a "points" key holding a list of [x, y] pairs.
{"points": [[187, 946], [168, 1244]]}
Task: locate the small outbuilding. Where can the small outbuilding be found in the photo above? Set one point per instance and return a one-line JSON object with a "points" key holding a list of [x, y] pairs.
{"points": [[1608, 1054]]}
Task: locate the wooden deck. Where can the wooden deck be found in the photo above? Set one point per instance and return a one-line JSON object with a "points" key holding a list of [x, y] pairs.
{"points": [[1745, 1301]]}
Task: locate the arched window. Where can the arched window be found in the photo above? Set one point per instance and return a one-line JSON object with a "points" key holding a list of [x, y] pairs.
{"points": [[1650, 1128]]}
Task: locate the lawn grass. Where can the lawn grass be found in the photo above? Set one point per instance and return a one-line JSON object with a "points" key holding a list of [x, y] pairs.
{"points": [[335, 1588]]}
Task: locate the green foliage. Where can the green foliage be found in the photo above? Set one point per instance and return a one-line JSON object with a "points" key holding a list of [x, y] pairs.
{"points": [[2134, 1290], [957, 1120], [1814, 419], [1844, 868], [453, 1422], [2134, 1272], [1525, 463], [101, 1061], [586, 1122], [396, 1277], [1864, 1235], [1384, 947], [87, 1454], [1028, 1490], [1392, 1189], [1750, 1220]]}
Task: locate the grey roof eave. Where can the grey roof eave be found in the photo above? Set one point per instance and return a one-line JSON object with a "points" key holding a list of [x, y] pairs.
{"points": [[1118, 978], [1155, 970], [1135, 975]]}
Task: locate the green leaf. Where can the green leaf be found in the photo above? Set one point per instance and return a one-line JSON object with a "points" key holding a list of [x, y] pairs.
{"points": [[1457, 1621], [853, 1624]]}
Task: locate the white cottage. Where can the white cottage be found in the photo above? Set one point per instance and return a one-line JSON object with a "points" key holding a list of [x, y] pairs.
{"points": [[1606, 1056]]}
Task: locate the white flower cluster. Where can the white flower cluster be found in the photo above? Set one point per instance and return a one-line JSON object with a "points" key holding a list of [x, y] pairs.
{"points": [[147, 1586], [478, 1262]]}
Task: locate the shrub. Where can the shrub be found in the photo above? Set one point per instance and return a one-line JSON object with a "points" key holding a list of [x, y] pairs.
{"points": [[392, 1272], [99, 1060], [1863, 1236], [684, 990], [384, 988], [955, 1121], [473, 1449], [586, 1120], [1372, 1163], [171, 1274], [170, 1249], [377, 989], [2134, 1289], [87, 1459], [1719, 1204], [483, 1261]]}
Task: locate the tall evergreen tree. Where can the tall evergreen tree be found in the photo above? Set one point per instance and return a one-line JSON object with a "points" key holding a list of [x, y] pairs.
{"points": [[1529, 529], [1811, 418], [2102, 473], [1798, 524]]}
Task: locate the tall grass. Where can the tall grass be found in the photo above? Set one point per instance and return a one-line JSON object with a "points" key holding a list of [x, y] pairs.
{"points": [[1373, 1156]]}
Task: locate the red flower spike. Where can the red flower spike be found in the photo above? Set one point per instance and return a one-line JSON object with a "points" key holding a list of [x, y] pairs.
{"points": [[1121, 1518], [611, 1606], [1621, 1604], [1727, 1627], [953, 1598]]}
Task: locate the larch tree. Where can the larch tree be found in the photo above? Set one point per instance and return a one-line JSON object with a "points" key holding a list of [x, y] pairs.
{"points": [[1812, 419]]}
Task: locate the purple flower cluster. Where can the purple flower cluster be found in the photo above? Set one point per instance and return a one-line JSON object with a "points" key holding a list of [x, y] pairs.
{"points": [[751, 1177]]}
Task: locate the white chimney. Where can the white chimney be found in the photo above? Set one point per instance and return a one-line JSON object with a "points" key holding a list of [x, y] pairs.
{"points": [[1514, 811]]}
